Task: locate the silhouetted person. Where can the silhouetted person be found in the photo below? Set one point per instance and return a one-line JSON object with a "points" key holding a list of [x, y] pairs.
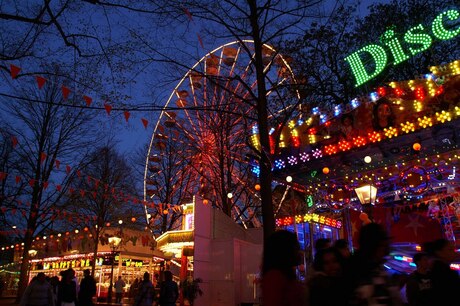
{"points": [[342, 246], [67, 291], [145, 293], [326, 287], [281, 255], [367, 278], [38, 292], [322, 243], [87, 289], [445, 281], [169, 291], [418, 285], [119, 285], [54, 282]]}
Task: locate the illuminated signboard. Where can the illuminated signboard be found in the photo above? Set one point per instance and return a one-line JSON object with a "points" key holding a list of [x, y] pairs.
{"points": [[66, 264], [371, 60]]}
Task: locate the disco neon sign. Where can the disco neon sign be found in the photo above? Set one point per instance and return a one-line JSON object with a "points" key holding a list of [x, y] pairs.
{"points": [[417, 39]]}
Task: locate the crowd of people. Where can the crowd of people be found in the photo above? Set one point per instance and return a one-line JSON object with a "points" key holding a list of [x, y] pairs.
{"points": [[340, 277], [66, 291]]}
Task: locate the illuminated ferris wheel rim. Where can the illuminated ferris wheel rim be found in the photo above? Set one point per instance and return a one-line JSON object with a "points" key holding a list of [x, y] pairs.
{"points": [[186, 76]]}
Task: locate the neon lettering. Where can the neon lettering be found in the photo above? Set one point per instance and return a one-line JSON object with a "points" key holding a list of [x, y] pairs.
{"points": [[371, 60]]}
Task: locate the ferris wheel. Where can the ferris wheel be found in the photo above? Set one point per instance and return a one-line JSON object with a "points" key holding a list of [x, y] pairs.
{"points": [[201, 144]]}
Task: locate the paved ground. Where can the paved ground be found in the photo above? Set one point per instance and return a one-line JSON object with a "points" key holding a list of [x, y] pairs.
{"points": [[7, 301]]}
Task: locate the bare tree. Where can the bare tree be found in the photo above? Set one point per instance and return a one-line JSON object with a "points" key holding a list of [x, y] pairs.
{"points": [[107, 193], [49, 136]]}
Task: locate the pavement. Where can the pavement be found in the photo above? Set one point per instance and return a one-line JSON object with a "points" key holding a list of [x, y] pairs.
{"points": [[8, 300]]}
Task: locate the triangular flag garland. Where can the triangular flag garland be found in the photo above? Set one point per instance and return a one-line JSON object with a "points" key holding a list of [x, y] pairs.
{"points": [[107, 190], [65, 92], [14, 71], [108, 108], [40, 81], [127, 115], [145, 122], [88, 100]]}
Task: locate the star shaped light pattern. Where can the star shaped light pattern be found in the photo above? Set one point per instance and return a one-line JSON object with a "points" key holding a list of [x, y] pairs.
{"points": [[414, 222]]}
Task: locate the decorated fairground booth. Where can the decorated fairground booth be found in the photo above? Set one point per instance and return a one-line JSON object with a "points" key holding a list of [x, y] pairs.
{"points": [[121, 252], [390, 157]]}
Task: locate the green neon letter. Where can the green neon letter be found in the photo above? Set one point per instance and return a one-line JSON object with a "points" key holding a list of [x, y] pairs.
{"points": [[438, 28], [422, 39], [361, 75], [395, 47]]}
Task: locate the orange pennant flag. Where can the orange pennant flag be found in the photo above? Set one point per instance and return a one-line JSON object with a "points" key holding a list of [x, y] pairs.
{"points": [[200, 41], [40, 81], [14, 70], [187, 12], [65, 92], [145, 122], [127, 115], [42, 157], [108, 108], [88, 100], [14, 140]]}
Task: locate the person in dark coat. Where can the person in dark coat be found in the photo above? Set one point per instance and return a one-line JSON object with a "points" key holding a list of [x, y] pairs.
{"points": [[445, 281], [67, 291], [327, 279], [368, 283], [169, 291], [419, 285], [87, 289]]}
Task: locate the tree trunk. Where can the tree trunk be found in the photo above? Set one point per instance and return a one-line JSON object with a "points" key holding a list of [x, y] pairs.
{"points": [[262, 120], [96, 244], [24, 272]]}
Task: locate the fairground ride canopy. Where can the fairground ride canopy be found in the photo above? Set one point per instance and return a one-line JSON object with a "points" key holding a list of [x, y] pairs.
{"points": [[403, 138]]}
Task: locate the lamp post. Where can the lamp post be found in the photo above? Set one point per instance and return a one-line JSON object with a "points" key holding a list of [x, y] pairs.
{"points": [[367, 195], [114, 242], [32, 254]]}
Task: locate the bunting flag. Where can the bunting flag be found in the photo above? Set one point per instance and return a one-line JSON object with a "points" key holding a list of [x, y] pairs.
{"points": [[187, 12], [3, 176], [18, 179], [57, 163], [127, 115], [200, 41], [67, 169], [42, 157], [145, 122], [14, 70], [45, 185], [108, 108], [65, 92], [14, 141], [32, 182], [88, 100], [40, 81], [58, 188]]}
